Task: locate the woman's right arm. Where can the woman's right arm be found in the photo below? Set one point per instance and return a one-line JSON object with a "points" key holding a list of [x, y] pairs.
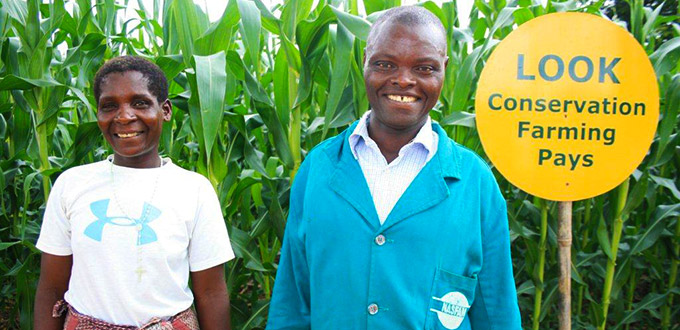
{"points": [[55, 272]]}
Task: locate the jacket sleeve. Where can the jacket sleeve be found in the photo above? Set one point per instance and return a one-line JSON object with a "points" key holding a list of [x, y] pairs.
{"points": [[495, 306], [290, 304]]}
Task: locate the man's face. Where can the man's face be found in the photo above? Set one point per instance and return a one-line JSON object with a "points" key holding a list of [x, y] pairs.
{"points": [[131, 119], [404, 72]]}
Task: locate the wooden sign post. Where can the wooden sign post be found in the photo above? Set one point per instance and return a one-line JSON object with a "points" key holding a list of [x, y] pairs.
{"points": [[564, 241], [567, 107]]}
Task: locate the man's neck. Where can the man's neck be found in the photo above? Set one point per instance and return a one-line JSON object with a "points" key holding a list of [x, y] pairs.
{"points": [[391, 141]]}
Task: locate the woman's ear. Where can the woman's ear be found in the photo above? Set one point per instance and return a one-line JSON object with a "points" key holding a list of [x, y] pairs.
{"points": [[166, 107]]}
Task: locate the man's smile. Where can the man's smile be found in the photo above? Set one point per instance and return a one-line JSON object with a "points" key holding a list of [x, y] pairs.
{"points": [[402, 98]]}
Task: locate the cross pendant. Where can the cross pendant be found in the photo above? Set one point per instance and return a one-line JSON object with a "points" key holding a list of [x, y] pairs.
{"points": [[140, 271]]}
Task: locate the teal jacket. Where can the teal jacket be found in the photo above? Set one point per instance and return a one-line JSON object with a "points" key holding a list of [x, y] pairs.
{"points": [[441, 260]]}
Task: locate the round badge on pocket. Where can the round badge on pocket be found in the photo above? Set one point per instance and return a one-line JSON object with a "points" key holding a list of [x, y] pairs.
{"points": [[451, 298], [453, 309]]}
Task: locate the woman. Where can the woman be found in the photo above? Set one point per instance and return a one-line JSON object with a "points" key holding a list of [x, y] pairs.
{"points": [[120, 237]]}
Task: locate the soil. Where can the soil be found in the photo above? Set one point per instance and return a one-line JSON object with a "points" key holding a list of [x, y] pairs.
{"points": [[6, 310]]}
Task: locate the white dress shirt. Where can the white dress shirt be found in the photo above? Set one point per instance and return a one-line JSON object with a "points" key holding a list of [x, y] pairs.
{"points": [[387, 182]]}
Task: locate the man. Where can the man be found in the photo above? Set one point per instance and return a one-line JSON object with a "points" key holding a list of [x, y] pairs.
{"points": [[393, 225]]}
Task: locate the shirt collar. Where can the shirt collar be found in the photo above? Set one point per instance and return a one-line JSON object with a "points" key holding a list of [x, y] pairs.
{"points": [[360, 133]]}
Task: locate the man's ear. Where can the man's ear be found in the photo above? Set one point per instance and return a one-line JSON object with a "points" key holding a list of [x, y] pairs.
{"points": [[166, 107]]}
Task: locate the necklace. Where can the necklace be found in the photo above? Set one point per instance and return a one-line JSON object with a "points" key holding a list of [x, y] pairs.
{"points": [[139, 223]]}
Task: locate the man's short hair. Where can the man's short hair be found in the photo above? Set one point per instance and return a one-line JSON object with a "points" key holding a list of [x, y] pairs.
{"points": [[407, 16], [155, 78]]}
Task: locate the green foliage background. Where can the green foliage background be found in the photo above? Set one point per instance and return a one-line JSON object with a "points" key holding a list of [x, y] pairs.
{"points": [[257, 89]]}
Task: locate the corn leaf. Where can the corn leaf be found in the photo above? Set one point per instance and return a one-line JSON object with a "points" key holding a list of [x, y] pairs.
{"points": [[12, 82], [669, 120], [341, 67], [358, 26], [218, 37], [666, 57], [211, 81], [657, 225], [250, 26]]}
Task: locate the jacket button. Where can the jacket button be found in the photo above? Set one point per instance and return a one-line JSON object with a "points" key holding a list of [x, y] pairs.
{"points": [[380, 240], [372, 309]]}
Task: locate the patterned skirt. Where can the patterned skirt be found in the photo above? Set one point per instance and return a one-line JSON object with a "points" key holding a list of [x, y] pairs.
{"points": [[185, 320]]}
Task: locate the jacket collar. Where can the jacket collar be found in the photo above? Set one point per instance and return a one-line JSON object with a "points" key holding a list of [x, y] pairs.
{"points": [[427, 189], [360, 132], [447, 154]]}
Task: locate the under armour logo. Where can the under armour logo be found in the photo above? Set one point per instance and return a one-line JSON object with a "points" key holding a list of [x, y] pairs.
{"points": [[146, 233]]}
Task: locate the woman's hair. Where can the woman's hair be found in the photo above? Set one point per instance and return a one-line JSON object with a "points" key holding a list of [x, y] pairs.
{"points": [[155, 78]]}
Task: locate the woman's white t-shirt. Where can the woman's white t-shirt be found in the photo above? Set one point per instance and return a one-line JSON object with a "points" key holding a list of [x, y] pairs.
{"points": [[135, 234]]}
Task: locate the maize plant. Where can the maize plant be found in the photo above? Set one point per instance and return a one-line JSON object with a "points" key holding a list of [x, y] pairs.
{"points": [[256, 89]]}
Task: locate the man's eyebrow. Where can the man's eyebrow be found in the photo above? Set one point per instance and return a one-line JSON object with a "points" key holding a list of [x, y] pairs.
{"points": [[418, 60], [427, 59], [382, 54]]}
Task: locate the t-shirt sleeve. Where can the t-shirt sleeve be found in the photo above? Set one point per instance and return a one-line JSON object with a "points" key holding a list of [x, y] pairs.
{"points": [[55, 232], [209, 245]]}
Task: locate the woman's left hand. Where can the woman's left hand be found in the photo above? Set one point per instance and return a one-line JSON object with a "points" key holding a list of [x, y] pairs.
{"points": [[211, 298]]}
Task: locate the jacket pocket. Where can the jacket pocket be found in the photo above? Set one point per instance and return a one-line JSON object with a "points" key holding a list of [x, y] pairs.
{"points": [[450, 298]]}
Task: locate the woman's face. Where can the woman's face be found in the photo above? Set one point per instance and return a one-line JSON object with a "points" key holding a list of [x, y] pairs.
{"points": [[131, 119]]}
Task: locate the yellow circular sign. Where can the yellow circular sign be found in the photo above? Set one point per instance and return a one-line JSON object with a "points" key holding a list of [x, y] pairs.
{"points": [[567, 106]]}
